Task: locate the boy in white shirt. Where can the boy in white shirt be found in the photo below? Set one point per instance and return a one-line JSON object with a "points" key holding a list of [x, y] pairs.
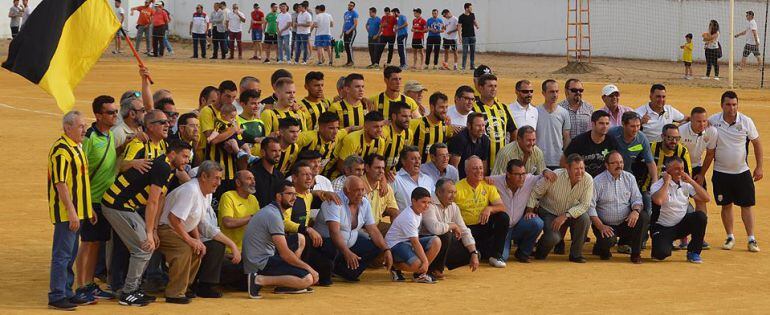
{"points": [[322, 24], [410, 251]]}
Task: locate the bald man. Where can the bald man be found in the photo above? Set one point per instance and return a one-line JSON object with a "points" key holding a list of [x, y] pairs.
{"points": [[339, 225]]}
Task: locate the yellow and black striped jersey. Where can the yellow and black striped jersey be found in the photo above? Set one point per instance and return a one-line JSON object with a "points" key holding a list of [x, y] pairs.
{"points": [[312, 140], [356, 143], [394, 143], [287, 159], [132, 188], [270, 118], [67, 163], [661, 157], [136, 149], [314, 110], [349, 115], [499, 123], [383, 103], [217, 152], [423, 134], [207, 117]]}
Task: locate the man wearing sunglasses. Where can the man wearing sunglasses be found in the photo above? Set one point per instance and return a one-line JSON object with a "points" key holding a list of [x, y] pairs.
{"points": [[522, 110], [579, 110], [168, 107]]}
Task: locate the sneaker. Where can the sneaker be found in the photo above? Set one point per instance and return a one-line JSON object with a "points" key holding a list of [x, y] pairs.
{"points": [[705, 78], [705, 245], [178, 300], [285, 290], [253, 286], [396, 275], [424, 278], [729, 243], [496, 262], [304, 63], [98, 293], [132, 299], [624, 249], [682, 246], [717, 78], [82, 297], [280, 62], [753, 246], [62, 305], [145, 296], [266, 60], [320, 63], [694, 258]]}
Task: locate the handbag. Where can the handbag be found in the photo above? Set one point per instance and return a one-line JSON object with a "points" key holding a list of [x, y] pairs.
{"points": [[719, 50]]}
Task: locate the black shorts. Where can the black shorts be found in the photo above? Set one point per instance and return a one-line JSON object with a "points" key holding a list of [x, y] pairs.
{"points": [[271, 39], [751, 49], [96, 233], [417, 43], [735, 189], [450, 44], [696, 170], [276, 266], [687, 63]]}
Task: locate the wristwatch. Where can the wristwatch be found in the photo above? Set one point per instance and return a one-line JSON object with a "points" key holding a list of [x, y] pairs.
{"points": [[476, 252]]}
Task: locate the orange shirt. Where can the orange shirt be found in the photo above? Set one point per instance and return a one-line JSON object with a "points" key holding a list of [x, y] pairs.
{"points": [[145, 14], [160, 18]]}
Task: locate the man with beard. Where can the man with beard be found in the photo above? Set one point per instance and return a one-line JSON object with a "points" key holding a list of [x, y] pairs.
{"points": [[578, 109], [323, 140], [396, 134], [266, 170], [236, 207], [593, 145], [315, 102], [157, 127], [425, 131]]}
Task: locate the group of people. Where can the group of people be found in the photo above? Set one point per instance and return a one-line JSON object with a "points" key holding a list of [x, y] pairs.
{"points": [[247, 192], [287, 31]]}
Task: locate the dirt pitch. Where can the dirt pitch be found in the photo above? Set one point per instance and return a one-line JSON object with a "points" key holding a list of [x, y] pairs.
{"points": [[734, 281]]}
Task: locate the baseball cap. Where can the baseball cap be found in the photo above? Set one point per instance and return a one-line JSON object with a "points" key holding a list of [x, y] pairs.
{"points": [[609, 89], [481, 70], [413, 86]]}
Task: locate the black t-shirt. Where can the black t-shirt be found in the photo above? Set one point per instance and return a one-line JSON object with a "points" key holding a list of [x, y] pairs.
{"points": [[265, 182], [592, 153], [462, 145], [466, 21]]}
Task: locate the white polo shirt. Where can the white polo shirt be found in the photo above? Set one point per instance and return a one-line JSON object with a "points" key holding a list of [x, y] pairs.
{"points": [[187, 203], [523, 115], [654, 127], [456, 118], [697, 143], [732, 143], [675, 207]]}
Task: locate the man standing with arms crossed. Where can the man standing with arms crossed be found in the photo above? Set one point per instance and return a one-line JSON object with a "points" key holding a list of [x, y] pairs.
{"points": [[732, 179]]}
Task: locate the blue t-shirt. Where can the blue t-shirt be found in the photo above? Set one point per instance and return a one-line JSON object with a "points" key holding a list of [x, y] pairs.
{"points": [[638, 149], [374, 26], [434, 24], [401, 21], [349, 17]]}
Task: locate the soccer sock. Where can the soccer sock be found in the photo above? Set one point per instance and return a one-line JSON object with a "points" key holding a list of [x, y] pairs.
{"points": [[731, 236], [751, 238]]}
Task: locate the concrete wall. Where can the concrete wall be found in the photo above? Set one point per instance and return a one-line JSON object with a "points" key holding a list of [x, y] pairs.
{"points": [[649, 29]]}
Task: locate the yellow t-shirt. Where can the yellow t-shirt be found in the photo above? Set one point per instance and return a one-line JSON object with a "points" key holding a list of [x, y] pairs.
{"points": [[350, 115], [291, 226], [270, 118], [383, 103], [232, 205], [355, 143], [473, 201], [687, 52]]}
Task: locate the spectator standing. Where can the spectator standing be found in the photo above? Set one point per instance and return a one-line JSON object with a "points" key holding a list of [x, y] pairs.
{"points": [[199, 25], [419, 28], [349, 26], [435, 28], [255, 28], [373, 37], [467, 26], [234, 20]]}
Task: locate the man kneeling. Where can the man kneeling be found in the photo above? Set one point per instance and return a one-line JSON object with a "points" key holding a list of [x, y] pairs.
{"points": [[264, 235], [411, 252]]}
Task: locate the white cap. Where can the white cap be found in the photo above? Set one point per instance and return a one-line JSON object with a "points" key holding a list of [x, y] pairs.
{"points": [[609, 89]]}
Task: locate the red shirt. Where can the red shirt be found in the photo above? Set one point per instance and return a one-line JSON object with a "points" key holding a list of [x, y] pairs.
{"points": [[160, 18], [145, 14], [388, 23], [256, 19], [418, 24]]}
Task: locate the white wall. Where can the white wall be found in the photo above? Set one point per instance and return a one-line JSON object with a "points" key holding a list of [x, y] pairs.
{"points": [[645, 29]]}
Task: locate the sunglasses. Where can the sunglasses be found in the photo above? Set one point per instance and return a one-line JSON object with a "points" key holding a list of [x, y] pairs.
{"points": [[110, 112], [576, 90], [160, 122], [527, 91], [171, 114]]}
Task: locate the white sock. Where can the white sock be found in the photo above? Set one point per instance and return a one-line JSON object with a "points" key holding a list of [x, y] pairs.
{"points": [[731, 236], [751, 238]]}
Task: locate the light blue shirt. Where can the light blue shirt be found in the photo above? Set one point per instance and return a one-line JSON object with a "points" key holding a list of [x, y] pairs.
{"points": [[613, 198], [349, 17], [401, 21], [431, 170], [403, 186], [330, 211]]}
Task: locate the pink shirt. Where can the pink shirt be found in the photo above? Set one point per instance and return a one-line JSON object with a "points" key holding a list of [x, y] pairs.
{"points": [[617, 120]]}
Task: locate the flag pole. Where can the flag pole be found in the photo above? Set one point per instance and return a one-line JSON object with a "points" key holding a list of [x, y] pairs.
{"points": [[133, 50]]}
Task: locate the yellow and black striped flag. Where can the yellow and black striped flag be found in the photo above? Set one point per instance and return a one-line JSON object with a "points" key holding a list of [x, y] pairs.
{"points": [[60, 42]]}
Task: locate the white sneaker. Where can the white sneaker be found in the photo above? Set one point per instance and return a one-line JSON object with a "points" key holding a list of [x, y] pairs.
{"points": [[753, 246], [705, 78], [729, 243], [280, 62], [497, 263], [717, 78]]}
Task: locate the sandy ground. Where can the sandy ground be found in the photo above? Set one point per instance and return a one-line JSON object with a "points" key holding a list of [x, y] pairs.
{"points": [[735, 281]]}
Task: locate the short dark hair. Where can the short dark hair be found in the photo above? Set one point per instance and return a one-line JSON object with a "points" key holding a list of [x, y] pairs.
{"points": [[673, 159], [285, 123], [280, 186], [369, 159], [689, 35], [419, 193], [321, 7], [396, 108], [353, 77], [574, 158], [462, 90], [99, 102], [206, 91], [629, 116], [161, 103], [374, 116], [182, 121], [396, 10], [545, 84], [436, 146], [445, 11], [280, 73], [435, 97], [297, 165], [657, 86], [607, 157], [482, 80], [697, 110], [314, 75], [327, 117], [726, 95], [467, 5], [667, 127], [389, 70], [442, 181], [267, 141], [308, 155], [406, 150], [569, 82], [514, 163], [524, 130], [474, 115], [249, 94], [177, 146], [227, 85], [520, 83], [373, 10], [598, 115]]}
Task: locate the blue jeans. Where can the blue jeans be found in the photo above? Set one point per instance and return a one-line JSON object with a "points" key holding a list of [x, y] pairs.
{"points": [[363, 247], [300, 47], [284, 47], [63, 253], [401, 43], [524, 233], [469, 43], [166, 43], [143, 30]]}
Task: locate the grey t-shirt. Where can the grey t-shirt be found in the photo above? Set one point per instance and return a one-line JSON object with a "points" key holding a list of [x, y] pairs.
{"points": [[550, 127], [639, 148], [258, 243]]}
